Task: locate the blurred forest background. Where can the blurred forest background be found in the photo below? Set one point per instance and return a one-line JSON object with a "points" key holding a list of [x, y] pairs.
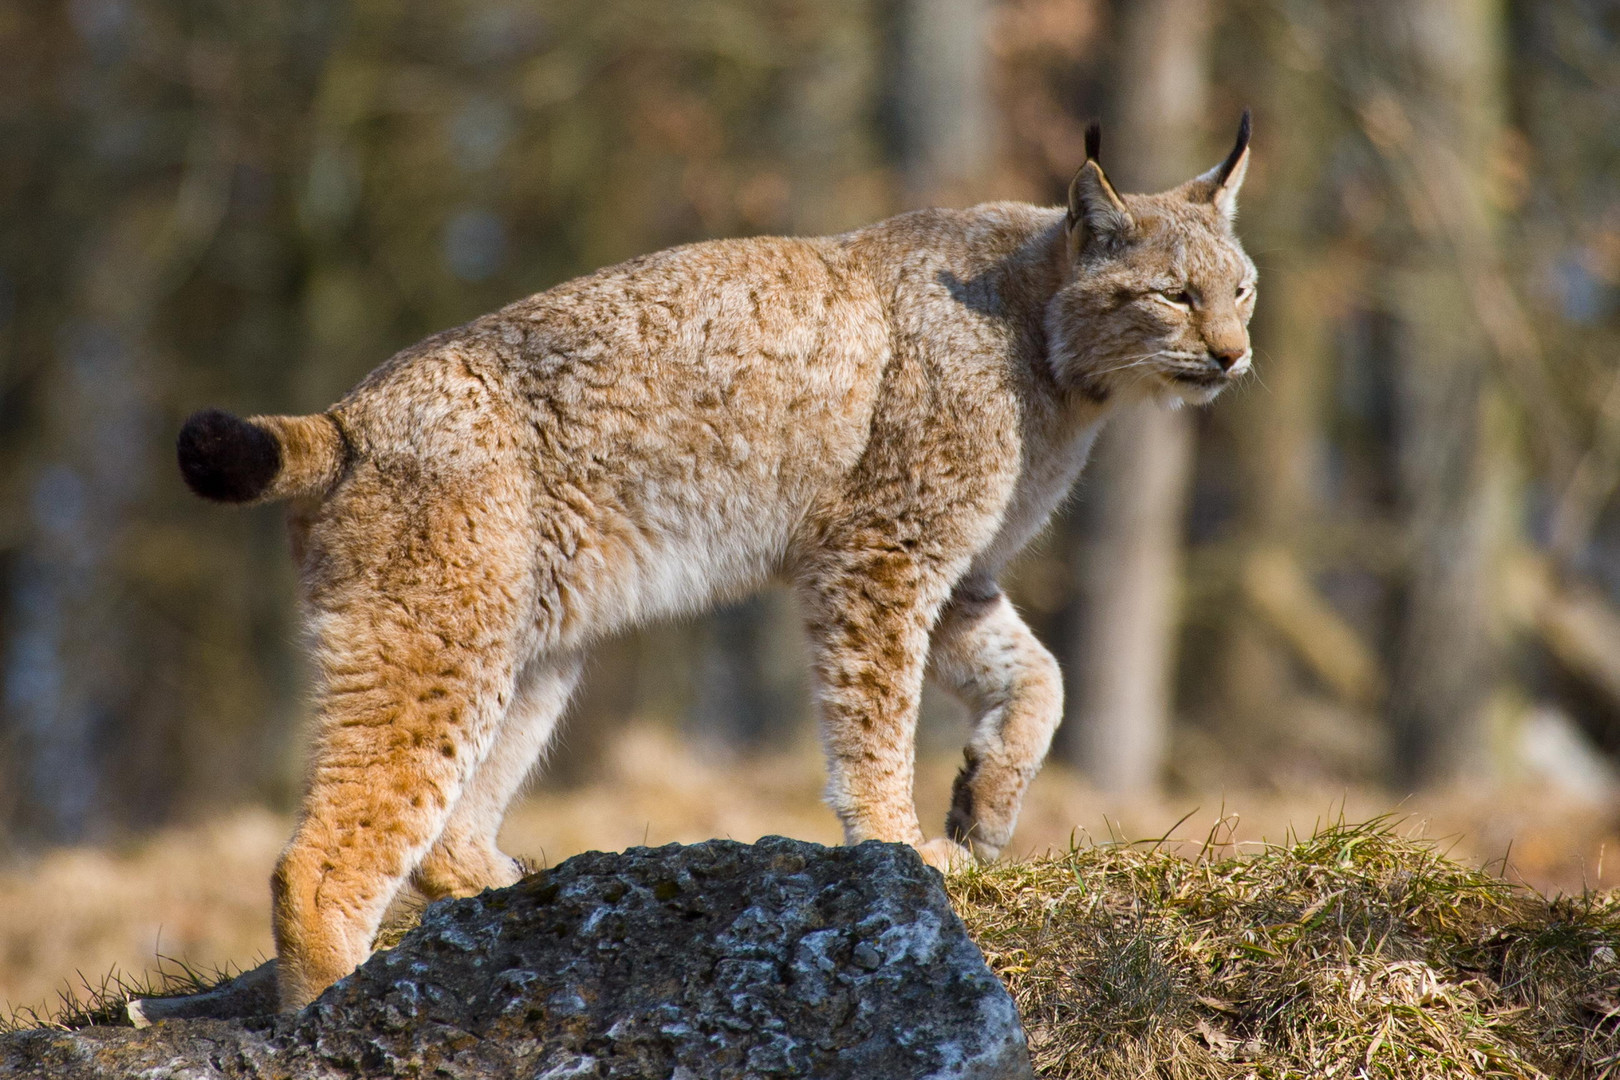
{"points": [[1389, 561]]}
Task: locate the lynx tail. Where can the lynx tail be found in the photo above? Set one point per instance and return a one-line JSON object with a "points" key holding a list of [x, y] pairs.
{"points": [[228, 459]]}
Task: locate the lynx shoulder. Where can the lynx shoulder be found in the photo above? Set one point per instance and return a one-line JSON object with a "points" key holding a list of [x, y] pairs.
{"points": [[879, 419]]}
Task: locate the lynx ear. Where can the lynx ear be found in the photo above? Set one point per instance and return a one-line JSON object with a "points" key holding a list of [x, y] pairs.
{"points": [[1220, 185], [1097, 214]]}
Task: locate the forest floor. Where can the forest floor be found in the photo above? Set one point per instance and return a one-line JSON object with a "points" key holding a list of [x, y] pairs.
{"points": [[198, 895]]}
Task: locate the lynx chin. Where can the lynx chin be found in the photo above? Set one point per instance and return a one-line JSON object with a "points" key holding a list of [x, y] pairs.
{"points": [[880, 419]]}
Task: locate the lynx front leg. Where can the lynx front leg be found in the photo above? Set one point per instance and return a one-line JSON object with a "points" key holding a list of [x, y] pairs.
{"points": [[985, 655], [868, 615], [464, 860]]}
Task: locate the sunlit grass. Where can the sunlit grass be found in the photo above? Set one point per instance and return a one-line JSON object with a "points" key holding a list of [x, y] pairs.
{"points": [[1353, 952]]}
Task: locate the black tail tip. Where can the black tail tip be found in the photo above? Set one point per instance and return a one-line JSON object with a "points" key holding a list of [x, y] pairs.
{"points": [[225, 458]]}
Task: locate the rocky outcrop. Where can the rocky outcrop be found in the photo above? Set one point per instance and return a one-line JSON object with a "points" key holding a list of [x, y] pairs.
{"points": [[774, 959]]}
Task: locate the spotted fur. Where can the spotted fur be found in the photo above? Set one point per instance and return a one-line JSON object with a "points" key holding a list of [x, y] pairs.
{"points": [[881, 419]]}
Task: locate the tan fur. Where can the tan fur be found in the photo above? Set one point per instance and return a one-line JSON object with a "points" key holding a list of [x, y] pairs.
{"points": [[881, 419]]}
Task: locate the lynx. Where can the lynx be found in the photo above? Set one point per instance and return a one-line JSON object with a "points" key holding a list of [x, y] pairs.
{"points": [[880, 419]]}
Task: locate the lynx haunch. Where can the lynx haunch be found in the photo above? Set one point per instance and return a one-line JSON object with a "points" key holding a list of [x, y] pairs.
{"points": [[881, 419]]}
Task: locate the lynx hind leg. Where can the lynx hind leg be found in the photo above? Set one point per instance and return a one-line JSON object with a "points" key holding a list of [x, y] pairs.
{"points": [[418, 666], [868, 613], [464, 860], [985, 654]]}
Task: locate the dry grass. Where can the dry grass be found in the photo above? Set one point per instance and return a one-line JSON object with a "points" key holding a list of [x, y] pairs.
{"points": [[1356, 952]]}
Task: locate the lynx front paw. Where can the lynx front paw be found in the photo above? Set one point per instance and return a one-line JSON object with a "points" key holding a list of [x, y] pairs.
{"points": [[968, 833], [946, 856]]}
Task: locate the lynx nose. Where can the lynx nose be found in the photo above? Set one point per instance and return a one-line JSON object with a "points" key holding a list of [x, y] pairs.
{"points": [[1231, 361]]}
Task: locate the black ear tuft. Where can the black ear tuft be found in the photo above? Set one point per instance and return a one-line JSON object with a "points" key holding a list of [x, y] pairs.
{"points": [[1094, 140], [226, 458], [1225, 171]]}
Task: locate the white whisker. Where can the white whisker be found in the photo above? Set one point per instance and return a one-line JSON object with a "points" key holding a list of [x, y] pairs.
{"points": [[1131, 362]]}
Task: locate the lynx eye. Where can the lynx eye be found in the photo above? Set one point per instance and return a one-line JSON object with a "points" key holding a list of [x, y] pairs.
{"points": [[1244, 291], [1178, 297]]}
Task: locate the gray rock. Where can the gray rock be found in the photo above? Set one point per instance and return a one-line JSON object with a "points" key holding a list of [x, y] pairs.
{"points": [[719, 960]]}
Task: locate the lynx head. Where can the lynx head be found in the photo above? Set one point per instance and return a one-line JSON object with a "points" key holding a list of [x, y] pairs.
{"points": [[1158, 292]]}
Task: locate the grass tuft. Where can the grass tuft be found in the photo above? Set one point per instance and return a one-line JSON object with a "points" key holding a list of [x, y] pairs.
{"points": [[1354, 952], [102, 1003]]}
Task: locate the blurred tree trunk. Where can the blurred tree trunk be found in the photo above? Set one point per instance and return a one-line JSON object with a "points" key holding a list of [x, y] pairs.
{"points": [[1275, 435], [940, 101], [1433, 111], [752, 691], [1128, 541]]}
